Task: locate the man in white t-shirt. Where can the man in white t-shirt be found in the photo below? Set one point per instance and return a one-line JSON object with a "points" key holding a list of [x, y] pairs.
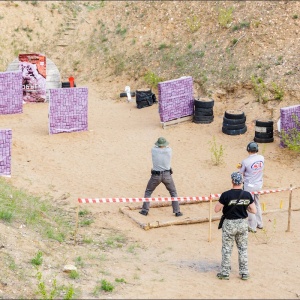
{"points": [[252, 168]]}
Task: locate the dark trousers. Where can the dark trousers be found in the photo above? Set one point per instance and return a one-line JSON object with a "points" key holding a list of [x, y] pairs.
{"points": [[154, 181]]}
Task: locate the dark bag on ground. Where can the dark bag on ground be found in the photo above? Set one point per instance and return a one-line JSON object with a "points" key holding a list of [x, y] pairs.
{"points": [[144, 98], [221, 222]]}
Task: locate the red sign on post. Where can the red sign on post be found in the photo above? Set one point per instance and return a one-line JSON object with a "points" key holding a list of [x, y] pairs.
{"points": [[33, 67]]}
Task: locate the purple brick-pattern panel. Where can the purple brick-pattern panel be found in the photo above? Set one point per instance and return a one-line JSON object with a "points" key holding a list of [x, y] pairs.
{"points": [[175, 98], [5, 152], [286, 119], [68, 110], [11, 93]]}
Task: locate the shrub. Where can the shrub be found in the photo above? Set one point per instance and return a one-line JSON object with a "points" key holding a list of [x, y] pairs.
{"points": [[234, 41], [73, 274], [193, 23], [225, 16], [277, 91], [54, 290], [217, 153], [260, 89], [38, 259], [106, 286], [152, 79]]}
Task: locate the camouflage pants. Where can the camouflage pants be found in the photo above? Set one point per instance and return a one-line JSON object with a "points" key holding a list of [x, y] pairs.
{"points": [[235, 230]]}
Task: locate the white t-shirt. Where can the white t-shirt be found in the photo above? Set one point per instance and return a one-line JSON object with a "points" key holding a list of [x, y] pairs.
{"points": [[252, 169], [161, 158]]}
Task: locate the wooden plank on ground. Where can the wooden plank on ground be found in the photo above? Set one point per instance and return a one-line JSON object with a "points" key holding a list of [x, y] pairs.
{"points": [[176, 121], [182, 221]]}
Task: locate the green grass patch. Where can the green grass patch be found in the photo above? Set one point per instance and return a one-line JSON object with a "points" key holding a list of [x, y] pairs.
{"points": [[53, 291], [105, 286], [115, 241], [6, 215], [79, 262], [86, 222], [74, 274], [16, 205], [122, 280], [38, 259]]}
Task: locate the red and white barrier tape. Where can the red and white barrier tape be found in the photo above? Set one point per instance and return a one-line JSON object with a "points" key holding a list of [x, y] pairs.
{"points": [[162, 199], [165, 199], [271, 191]]}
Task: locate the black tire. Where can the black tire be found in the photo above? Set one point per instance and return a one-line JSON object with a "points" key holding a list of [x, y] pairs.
{"points": [[203, 118], [234, 114], [234, 121], [264, 129], [205, 114], [263, 135], [264, 140], [125, 94], [202, 122], [208, 111], [264, 123], [204, 103], [234, 127], [234, 132]]}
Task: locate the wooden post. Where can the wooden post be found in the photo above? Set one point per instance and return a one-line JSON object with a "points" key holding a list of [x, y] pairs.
{"points": [[76, 226], [210, 215], [289, 210]]}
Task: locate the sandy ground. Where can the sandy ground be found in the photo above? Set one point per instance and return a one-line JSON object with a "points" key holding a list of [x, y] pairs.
{"points": [[112, 159]]}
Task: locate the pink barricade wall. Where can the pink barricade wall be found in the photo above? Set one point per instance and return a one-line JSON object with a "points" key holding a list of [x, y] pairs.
{"points": [[289, 119], [175, 98], [68, 110], [5, 152], [11, 93]]}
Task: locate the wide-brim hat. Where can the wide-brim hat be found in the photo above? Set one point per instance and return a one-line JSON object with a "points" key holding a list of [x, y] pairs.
{"points": [[162, 142]]}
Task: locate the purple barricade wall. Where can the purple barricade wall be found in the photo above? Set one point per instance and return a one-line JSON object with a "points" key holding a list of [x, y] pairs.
{"points": [[68, 110], [11, 93], [5, 152], [287, 119], [175, 98]]}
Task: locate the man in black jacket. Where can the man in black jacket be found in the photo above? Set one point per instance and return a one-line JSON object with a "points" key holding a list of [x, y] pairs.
{"points": [[235, 203]]}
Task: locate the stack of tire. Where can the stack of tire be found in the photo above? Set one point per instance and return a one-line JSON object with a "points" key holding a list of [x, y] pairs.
{"points": [[264, 131], [203, 111], [234, 122]]}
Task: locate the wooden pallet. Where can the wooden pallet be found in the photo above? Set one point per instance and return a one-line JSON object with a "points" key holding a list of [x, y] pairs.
{"points": [[176, 121]]}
